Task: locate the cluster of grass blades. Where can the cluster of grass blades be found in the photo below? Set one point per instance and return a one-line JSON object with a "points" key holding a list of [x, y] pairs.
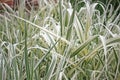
{"points": [[60, 42]]}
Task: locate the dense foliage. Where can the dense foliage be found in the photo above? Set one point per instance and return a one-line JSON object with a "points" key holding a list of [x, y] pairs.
{"points": [[60, 41]]}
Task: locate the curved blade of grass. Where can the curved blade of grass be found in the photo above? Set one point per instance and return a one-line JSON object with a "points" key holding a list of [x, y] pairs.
{"points": [[52, 67], [105, 53], [79, 29], [61, 38], [108, 42], [83, 45]]}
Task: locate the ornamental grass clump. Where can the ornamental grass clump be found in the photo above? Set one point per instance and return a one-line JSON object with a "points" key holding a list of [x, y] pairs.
{"points": [[59, 42]]}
